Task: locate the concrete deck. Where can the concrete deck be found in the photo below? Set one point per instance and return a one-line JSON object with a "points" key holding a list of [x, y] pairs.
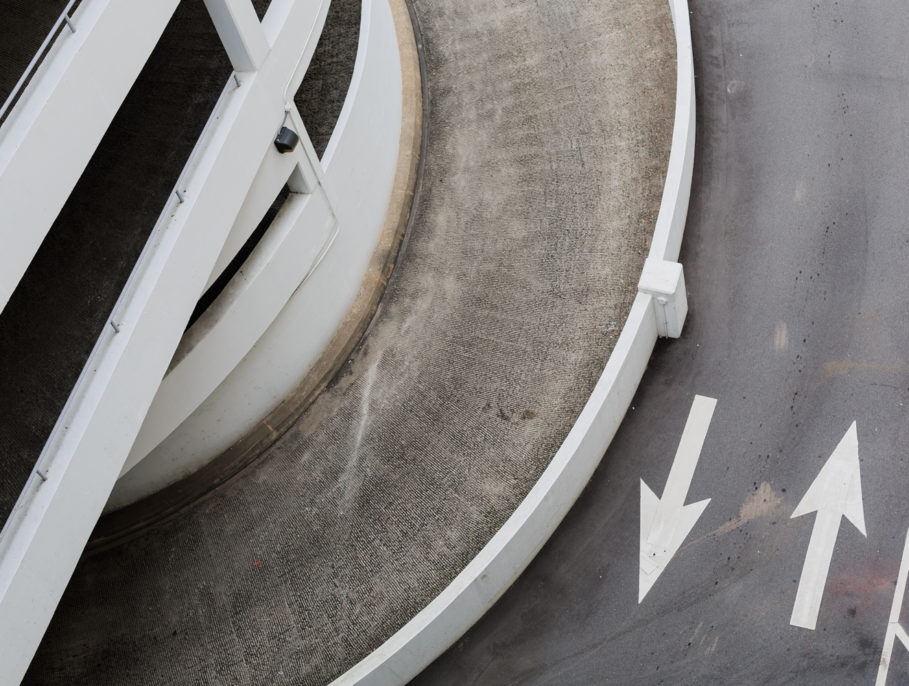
{"points": [[547, 134]]}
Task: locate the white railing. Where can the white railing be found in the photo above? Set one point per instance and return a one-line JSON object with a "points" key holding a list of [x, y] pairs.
{"points": [[50, 524], [64, 18], [230, 327], [58, 114], [270, 328]]}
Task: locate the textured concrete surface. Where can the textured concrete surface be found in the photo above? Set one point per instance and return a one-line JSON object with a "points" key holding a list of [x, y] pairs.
{"points": [[795, 259], [261, 7], [548, 127]]}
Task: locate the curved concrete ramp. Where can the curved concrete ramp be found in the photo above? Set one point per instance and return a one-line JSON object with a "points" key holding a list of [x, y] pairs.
{"points": [[547, 130]]}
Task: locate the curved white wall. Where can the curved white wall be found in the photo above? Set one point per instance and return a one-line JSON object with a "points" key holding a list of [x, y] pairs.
{"points": [[332, 234], [76, 88]]}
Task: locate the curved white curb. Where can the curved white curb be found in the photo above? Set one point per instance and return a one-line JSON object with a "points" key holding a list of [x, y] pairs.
{"points": [[506, 555]]}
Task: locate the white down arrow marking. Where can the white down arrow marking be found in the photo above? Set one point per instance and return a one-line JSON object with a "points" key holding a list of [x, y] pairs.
{"points": [[666, 522]]}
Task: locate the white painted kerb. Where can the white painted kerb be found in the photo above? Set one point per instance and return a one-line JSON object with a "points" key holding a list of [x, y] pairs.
{"points": [[506, 555]]}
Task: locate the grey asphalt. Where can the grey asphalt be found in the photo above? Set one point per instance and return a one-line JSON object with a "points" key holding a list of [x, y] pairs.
{"points": [[795, 256], [547, 129]]}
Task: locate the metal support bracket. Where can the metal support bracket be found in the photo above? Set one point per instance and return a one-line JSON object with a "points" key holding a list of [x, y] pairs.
{"points": [[665, 282], [308, 173]]}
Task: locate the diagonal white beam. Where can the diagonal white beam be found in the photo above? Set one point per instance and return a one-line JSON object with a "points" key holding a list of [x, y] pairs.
{"points": [[302, 170], [44, 536], [293, 245], [240, 32], [78, 88], [47, 531]]}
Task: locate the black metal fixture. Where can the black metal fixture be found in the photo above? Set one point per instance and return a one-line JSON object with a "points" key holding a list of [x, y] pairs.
{"points": [[286, 140]]}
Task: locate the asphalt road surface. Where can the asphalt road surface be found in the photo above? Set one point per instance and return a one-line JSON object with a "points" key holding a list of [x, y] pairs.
{"points": [[795, 255]]}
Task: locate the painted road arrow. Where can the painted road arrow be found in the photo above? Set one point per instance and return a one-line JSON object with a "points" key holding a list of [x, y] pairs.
{"points": [[666, 522], [836, 492]]}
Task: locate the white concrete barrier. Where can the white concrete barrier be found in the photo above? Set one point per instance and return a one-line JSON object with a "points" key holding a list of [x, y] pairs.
{"points": [[670, 223], [502, 560], [268, 328]]}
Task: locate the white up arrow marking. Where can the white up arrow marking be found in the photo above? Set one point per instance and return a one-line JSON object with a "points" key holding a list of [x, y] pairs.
{"points": [[836, 492], [666, 522]]}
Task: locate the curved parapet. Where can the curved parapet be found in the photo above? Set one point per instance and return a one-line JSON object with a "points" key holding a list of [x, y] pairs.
{"points": [[506, 555], [670, 223]]}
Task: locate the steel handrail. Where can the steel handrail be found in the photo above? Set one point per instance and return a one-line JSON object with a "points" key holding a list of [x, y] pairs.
{"points": [[64, 17]]}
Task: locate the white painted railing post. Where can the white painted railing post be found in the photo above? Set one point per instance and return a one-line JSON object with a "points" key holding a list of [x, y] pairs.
{"points": [[308, 173], [240, 32]]}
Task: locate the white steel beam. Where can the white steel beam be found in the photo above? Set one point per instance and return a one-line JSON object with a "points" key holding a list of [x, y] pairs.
{"points": [[54, 518], [58, 122], [303, 232], [240, 32], [293, 247], [301, 235], [272, 175]]}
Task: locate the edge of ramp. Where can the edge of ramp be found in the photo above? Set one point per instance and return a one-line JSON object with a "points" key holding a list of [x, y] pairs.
{"points": [[431, 631]]}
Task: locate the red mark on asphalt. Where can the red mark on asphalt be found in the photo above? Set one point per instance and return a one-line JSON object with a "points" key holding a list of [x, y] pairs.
{"points": [[257, 564]]}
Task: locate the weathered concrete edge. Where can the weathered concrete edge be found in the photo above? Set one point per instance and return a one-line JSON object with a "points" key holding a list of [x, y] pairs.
{"points": [[670, 223], [431, 631]]}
